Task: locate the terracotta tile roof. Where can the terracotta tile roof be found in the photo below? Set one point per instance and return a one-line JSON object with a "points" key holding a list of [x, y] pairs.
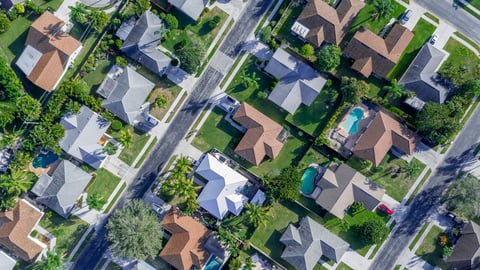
{"points": [[46, 36], [186, 246], [16, 226], [383, 133], [373, 54], [261, 138], [326, 23]]}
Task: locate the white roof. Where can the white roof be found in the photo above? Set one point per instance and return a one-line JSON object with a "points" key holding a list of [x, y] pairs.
{"points": [[28, 59], [300, 29], [223, 190], [6, 262]]}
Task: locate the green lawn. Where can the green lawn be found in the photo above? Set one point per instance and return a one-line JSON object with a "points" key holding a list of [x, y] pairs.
{"points": [[313, 156], [462, 59], [282, 29], [430, 249], [475, 3], [417, 237], [313, 119], [423, 31], [95, 77], [12, 42], [67, 231], [51, 4], [343, 266], [104, 184], [389, 174], [129, 154]]}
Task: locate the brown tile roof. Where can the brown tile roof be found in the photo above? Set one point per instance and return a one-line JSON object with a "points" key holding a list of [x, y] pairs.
{"points": [[17, 224], [46, 36], [466, 254], [327, 23], [186, 246], [383, 133], [375, 54], [261, 138]]}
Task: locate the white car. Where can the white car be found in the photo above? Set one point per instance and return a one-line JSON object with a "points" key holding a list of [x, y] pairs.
{"points": [[433, 39], [158, 209]]}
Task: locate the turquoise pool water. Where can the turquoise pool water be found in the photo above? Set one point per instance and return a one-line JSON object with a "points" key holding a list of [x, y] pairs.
{"points": [[351, 124], [213, 263], [43, 160], [308, 181]]}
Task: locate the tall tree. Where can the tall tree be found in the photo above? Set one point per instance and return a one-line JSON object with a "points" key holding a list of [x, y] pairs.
{"points": [[16, 182], [285, 186], [126, 138], [28, 108], [4, 22], [99, 19], [394, 90], [256, 214], [11, 138], [134, 232], [463, 197], [141, 6], [7, 113], [352, 90], [190, 57], [328, 58], [78, 13], [53, 261], [383, 8], [373, 231]]}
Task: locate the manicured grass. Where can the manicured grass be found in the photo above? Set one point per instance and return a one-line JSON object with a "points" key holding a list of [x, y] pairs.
{"points": [[313, 119], [250, 95], [147, 151], [420, 185], [129, 154], [217, 133], [475, 3], [343, 266], [67, 231], [95, 77], [417, 237], [468, 9], [313, 156], [177, 107], [468, 40], [12, 42], [48, 4], [104, 184], [463, 59], [432, 17], [282, 29], [115, 198], [423, 31], [430, 250], [389, 174]]}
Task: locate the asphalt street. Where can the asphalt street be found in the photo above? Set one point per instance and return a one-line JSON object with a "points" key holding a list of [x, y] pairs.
{"points": [[151, 168], [458, 18], [427, 202]]}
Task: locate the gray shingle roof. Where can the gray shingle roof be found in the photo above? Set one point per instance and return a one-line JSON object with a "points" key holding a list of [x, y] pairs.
{"points": [[60, 191], [466, 254], [7, 262], [298, 82], [82, 134], [141, 43], [128, 94], [421, 76], [316, 241], [192, 8]]}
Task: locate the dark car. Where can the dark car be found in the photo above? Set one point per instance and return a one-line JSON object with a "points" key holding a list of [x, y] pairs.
{"points": [[385, 209], [406, 16], [152, 121]]}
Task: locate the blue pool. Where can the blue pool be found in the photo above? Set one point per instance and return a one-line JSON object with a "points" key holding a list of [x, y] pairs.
{"points": [[213, 263], [308, 181], [43, 160], [351, 124]]}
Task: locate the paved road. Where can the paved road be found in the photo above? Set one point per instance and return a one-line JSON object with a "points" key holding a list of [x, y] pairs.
{"points": [[205, 86], [458, 18], [427, 201]]}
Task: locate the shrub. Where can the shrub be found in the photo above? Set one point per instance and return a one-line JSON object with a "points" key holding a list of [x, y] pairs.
{"points": [[20, 8], [171, 21], [307, 50], [116, 125], [121, 62], [118, 43], [356, 208], [262, 95], [12, 15], [214, 21], [266, 34], [174, 62]]}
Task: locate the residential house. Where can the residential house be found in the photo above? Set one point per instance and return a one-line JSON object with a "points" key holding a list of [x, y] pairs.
{"points": [[48, 53], [191, 8], [191, 244], [422, 78], [61, 190], [341, 186], [305, 244], [319, 22], [83, 137], [223, 191], [142, 41], [466, 254], [8, 5], [264, 137], [139, 265], [7, 262], [125, 92], [298, 82], [383, 133], [373, 54], [15, 228]]}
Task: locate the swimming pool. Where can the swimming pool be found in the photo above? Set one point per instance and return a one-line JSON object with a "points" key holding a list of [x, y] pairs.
{"points": [[214, 263], [43, 160], [351, 124], [308, 181]]}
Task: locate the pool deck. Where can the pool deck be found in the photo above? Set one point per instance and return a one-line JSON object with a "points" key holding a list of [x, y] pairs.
{"points": [[39, 171], [316, 191]]}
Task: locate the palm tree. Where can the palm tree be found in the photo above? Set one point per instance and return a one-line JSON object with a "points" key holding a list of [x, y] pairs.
{"points": [[11, 139], [257, 215], [96, 201], [78, 13], [126, 138], [383, 8], [411, 168], [16, 182], [192, 206], [394, 90], [53, 261], [249, 81], [183, 166]]}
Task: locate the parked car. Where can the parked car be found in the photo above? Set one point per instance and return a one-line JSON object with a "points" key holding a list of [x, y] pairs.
{"points": [[158, 209], [152, 121], [406, 16], [385, 209], [433, 39], [457, 221]]}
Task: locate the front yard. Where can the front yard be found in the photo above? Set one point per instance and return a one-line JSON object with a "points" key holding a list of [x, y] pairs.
{"points": [[392, 174], [12, 42], [463, 63], [129, 154], [423, 31], [103, 184], [163, 87], [430, 249], [67, 231]]}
